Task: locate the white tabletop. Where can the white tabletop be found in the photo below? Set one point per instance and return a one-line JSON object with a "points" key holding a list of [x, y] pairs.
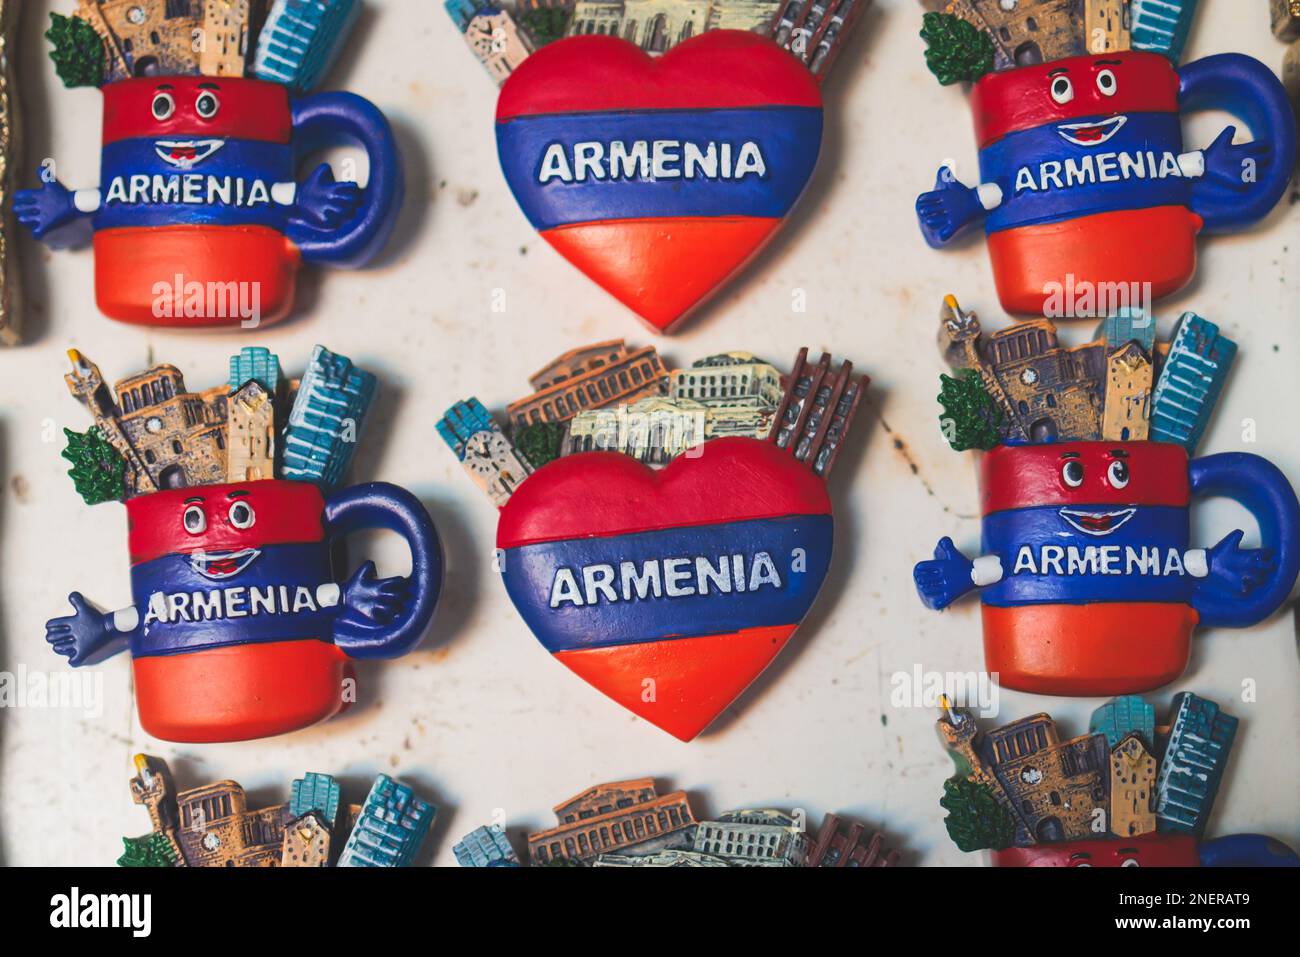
{"points": [[479, 718]]}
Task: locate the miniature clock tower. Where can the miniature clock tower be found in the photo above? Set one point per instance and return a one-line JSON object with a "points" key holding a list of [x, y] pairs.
{"points": [[483, 449]]}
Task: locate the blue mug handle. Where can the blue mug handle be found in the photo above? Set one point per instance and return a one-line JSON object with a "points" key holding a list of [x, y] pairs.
{"points": [[380, 505], [326, 118], [1246, 88], [1261, 487]]}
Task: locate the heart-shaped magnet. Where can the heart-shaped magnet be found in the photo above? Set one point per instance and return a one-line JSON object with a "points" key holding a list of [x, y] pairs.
{"points": [[659, 177], [670, 590]]}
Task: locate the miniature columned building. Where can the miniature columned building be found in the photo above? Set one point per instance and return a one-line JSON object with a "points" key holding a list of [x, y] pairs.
{"points": [[609, 817], [590, 377]]}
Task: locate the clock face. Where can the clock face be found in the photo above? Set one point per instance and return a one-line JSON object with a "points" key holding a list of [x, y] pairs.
{"points": [[480, 452]]}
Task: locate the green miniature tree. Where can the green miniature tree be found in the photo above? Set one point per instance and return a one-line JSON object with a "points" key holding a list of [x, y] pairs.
{"points": [[98, 470], [152, 850], [539, 443], [544, 24], [976, 820], [78, 52], [957, 51], [970, 418]]}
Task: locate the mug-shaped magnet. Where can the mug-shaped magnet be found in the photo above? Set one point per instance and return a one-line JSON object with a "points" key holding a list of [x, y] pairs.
{"points": [[1084, 177], [1088, 581], [241, 627], [200, 219]]}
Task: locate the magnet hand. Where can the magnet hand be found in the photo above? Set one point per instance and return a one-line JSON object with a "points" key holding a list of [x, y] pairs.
{"points": [[947, 209], [377, 600], [82, 636], [1235, 166], [1240, 571], [945, 578], [325, 202], [46, 209]]}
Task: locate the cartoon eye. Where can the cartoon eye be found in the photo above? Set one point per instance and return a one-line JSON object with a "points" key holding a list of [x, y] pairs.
{"points": [[1062, 89], [241, 515], [207, 105], [1072, 473], [1117, 474], [1081, 864], [1131, 862], [194, 519], [163, 105], [1107, 83]]}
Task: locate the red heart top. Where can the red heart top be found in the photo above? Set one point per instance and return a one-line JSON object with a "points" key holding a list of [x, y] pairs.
{"points": [[716, 70], [596, 494]]}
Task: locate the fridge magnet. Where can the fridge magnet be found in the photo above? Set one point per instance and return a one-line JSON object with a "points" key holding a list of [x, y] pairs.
{"points": [[201, 217], [1084, 177], [660, 174], [1087, 476], [243, 622], [629, 824], [11, 311], [1129, 793], [663, 533], [212, 825]]}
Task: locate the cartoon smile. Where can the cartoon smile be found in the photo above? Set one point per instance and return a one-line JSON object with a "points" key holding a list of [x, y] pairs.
{"points": [[1096, 523], [186, 153], [1091, 134], [219, 565]]}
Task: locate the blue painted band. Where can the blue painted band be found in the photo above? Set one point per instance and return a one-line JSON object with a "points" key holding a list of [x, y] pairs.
{"points": [[273, 598], [698, 580], [230, 187], [1045, 178], [1046, 558], [584, 167]]}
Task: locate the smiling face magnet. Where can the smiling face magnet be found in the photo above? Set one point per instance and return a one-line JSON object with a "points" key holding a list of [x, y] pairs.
{"points": [[667, 588], [1084, 176], [660, 177]]}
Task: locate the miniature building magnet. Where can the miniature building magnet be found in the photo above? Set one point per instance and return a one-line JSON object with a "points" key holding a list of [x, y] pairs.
{"points": [[240, 627], [1083, 173], [199, 218], [668, 590], [661, 177]]}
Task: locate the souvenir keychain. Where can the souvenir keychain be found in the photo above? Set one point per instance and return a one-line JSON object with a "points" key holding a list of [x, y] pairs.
{"points": [[669, 590], [241, 626], [660, 176], [212, 825], [1084, 179], [199, 218], [1086, 480], [1129, 793]]}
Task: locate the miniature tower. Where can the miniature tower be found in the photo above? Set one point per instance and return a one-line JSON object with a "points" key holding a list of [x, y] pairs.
{"points": [[228, 31], [1126, 415], [1107, 24], [485, 847], [391, 828], [152, 787], [1190, 382], [326, 419], [1200, 740], [87, 385], [315, 792], [1162, 26], [1132, 788], [250, 417], [1123, 716], [256, 362], [958, 731], [483, 450], [301, 40]]}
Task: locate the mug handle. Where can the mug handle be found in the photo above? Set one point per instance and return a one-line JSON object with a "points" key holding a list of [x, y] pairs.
{"points": [[326, 118], [1261, 487], [381, 505], [1247, 89]]}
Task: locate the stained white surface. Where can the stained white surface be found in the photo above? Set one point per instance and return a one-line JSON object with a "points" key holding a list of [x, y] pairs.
{"points": [[480, 718]]}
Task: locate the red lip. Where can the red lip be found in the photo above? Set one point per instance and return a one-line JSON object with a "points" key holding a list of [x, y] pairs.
{"points": [[223, 567], [1098, 523], [1089, 133]]}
